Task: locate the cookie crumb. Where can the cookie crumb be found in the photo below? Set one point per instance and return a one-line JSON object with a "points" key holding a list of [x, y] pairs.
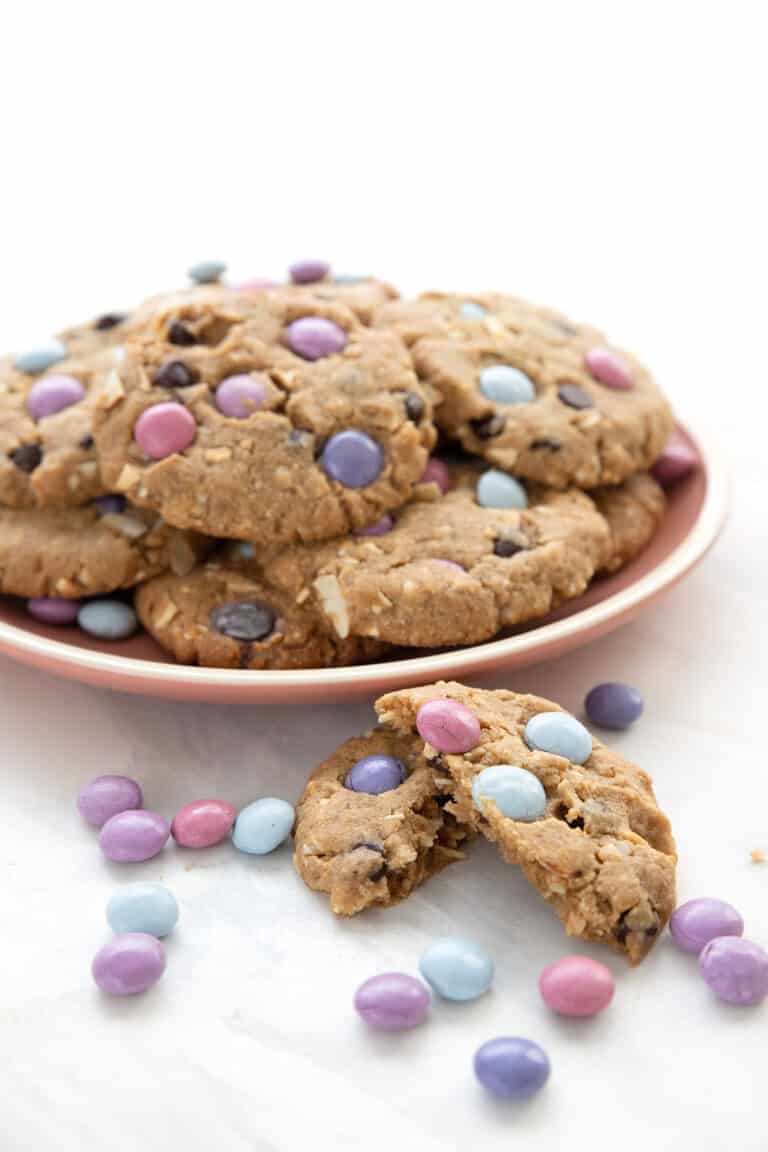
{"points": [[757, 856]]}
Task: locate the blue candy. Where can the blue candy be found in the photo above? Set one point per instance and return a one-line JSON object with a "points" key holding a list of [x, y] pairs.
{"points": [[560, 734], [207, 271], [506, 385], [457, 968], [476, 311], [38, 359], [108, 619], [263, 826], [496, 489], [349, 278], [140, 907], [516, 792]]}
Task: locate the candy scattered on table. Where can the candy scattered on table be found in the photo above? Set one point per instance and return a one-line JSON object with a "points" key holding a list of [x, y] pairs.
{"points": [[516, 792], [108, 619], [375, 774], [263, 826], [106, 796], [457, 968], [735, 969], [132, 836], [203, 823], [695, 923], [613, 705], [130, 963], [577, 986], [143, 907], [512, 1067], [392, 1002], [51, 610], [560, 734], [448, 726]]}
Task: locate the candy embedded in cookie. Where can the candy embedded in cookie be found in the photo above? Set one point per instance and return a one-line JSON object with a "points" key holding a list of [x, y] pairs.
{"points": [[281, 419], [367, 844], [599, 850]]}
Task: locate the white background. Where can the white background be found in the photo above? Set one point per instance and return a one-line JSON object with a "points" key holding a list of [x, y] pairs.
{"points": [[605, 158]]}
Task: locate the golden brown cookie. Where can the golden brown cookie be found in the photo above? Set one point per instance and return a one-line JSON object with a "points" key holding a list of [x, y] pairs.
{"points": [[633, 511]]}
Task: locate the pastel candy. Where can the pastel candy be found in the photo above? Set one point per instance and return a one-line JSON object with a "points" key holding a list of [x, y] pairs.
{"points": [[472, 310], [39, 359], [240, 396], [104, 796], [613, 705], [352, 458], [608, 368], [677, 460], [375, 774], [504, 384], [203, 823], [457, 968], [448, 726], [512, 1067], [380, 528], [495, 489], [263, 826], [735, 969], [560, 734], [143, 907], [696, 922], [111, 505], [108, 619], [517, 793], [577, 986], [129, 964], [207, 271], [52, 610], [308, 271], [349, 278], [164, 429], [52, 394], [313, 337], [392, 1001], [437, 472], [132, 836]]}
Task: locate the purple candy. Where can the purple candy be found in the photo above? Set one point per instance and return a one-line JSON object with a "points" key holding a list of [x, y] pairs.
{"points": [[677, 460], [52, 394], [613, 705], [449, 564], [375, 774], [352, 458], [240, 396], [697, 922], [105, 796], [512, 1067], [131, 962], [392, 1001], [52, 610], [111, 505], [380, 528], [736, 970], [132, 836], [313, 337], [308, 271]]}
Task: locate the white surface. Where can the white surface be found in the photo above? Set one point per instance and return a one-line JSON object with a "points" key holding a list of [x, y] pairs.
{"points": [[598, 156]]}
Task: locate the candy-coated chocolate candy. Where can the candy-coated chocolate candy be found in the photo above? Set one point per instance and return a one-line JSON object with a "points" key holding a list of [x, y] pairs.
{"points": [[108, 619], [504, 384], [243, 620], [313, 337], [560, 734], [375, 774], [207, 271], [574, 397], [380, 528], [608, 368], [39, 359], [111, 505], [349, 278], [516, 792], [437, 472], [448, 726], [263, 826], [495, 489], [678, 458], [392, 1001], [128, 964], [52, 394], [164, 429], [132, 836], [240, 396], [308, 271], [52, 610], [735, 969], [143, 907], [104, 796], [203, 823], [613, 705], [696, 922], [457, 968], [512, 1067], [577, 986], [472, 310], [352, 458]]}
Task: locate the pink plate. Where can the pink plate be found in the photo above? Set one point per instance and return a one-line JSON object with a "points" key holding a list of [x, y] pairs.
{"points": [[695, 515]]}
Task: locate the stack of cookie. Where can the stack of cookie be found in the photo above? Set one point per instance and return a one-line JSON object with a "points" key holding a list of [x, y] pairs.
{"points": [[312, 474]]}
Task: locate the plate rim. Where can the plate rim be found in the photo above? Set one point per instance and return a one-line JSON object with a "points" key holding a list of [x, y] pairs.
{"points": [[128, 671]]}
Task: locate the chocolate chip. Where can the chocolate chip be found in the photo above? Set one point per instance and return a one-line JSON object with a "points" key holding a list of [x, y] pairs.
{"points": [[178, 333], [367, 844], [175, 374], [244, 620], [379, 874], [86, 443], [27, 457], [574, 396], [577, 823], [653, 930], [414, 407], [489, 426], [505, 546], [545, 445], [622, 929], [109, 320]]}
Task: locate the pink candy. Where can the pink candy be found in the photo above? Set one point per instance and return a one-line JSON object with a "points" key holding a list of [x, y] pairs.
{"points": [[203, 823], [608, 368], [436, 472], [448, 726], [577, 986], [164, 429], [677, 460]]}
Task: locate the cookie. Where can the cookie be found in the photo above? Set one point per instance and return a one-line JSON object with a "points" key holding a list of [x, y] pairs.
{"points": [[633, 511], [223, 615], [292, 423], [364, 295], [365, 849], [445, 570], [73, 552], [600, 851]]}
